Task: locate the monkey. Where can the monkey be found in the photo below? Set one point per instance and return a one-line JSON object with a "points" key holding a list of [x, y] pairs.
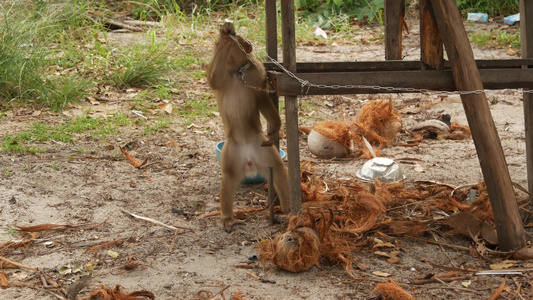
{"points": [[239, 84]]}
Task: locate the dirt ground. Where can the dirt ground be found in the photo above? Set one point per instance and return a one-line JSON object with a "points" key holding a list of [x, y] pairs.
{"points": [[179, 186]]}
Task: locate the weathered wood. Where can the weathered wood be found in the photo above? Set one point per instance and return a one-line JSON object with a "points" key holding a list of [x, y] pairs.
{"points": [[272, 50], [395, 65], [511, 233], [437, 80], [291, 106], [431, 46], [526, 38], [394, 22]]}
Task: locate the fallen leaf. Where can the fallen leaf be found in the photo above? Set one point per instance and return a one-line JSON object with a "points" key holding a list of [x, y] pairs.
{"points": [[380, 245], [501, 266], [418, 168], [36, 113], [381, 253], [4, 282], [132, 160], [466, 283], [168, 108], [89, 266], [361, 266], [394, 260], [381, 274], [65, 270], [113, 254]]}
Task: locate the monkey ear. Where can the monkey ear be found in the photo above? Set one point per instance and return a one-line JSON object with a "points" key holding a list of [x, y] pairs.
{"points": [[248, 47]]}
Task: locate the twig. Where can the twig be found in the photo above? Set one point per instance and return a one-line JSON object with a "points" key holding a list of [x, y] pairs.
{"points": [[443, 244], [105, 244], [438, 280], [156, 222], [173, 241], [222, 291], [18, 265]]}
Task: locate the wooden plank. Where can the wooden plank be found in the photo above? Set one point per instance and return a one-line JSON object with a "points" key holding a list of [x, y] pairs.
{"points": [[291, 106], [511, 233], [394, 11], [526, 38], [431, 46], [271, 29], [395, 65], [437, 80], [272, 50]]}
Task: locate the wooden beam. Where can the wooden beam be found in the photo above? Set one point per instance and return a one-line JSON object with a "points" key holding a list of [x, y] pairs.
{"points": [[395, 65], [437, 80], [394, 22], [511, 233], [272, 49], [431, 46], [291, 106], [526, 38]]}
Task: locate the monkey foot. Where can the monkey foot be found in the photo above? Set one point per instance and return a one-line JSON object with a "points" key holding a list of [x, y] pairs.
{"points": [[227, 223]]}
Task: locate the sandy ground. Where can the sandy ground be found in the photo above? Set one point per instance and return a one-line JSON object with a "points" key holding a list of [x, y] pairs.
{"points": [[179, 186]]}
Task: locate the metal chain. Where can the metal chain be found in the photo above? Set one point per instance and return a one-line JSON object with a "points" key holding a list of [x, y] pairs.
{"points": [[306, 85]]}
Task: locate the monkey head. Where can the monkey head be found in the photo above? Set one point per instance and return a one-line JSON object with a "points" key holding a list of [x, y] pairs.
{"points": [[240, 48]]}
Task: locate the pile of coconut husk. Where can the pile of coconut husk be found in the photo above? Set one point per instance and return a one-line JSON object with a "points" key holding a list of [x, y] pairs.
{"points": [[377, 121]]}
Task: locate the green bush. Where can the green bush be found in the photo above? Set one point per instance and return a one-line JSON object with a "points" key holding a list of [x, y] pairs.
{"points": [[491, 7], [328, 14]]}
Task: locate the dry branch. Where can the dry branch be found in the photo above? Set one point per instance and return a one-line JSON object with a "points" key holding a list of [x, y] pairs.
{"points": [[18, 265], [156, 222]]}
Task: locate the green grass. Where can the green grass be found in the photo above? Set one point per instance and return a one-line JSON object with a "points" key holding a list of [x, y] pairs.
{"points": [[96, 128], [491, 7], [195, 109], [496, 39]]}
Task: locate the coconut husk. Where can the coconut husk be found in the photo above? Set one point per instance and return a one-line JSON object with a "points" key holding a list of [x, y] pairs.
{"points": [[295, 250], [377, 121], [391, 290]]}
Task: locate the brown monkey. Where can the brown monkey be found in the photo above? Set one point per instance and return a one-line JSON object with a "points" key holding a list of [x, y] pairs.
{"points": [[239, 85]]}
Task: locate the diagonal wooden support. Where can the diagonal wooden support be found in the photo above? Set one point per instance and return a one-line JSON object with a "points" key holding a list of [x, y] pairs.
{"points": [[511, 233]]}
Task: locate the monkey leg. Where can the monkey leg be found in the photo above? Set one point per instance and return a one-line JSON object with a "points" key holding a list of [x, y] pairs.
{"points": [[231, 177], [281, 178]]}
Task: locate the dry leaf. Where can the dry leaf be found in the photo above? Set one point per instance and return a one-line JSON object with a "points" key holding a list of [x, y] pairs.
{"points": [[466, 283], [389, 245], [418, 168], [501, 266], [381, 253], [168, 108], [4, 282], [132, 160], [113, 254], [381, 274]]}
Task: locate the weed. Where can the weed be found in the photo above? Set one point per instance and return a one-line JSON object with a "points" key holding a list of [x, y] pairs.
{"points": [[158, 126], [494, 39], [55, 165], [140, 66]]}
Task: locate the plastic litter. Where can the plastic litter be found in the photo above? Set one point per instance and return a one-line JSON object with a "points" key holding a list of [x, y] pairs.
{"points": [[479, 17], [320, 32], [511, 20]]}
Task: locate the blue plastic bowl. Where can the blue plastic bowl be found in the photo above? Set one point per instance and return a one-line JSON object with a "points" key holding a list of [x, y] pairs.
{"points": [[259, 178]]}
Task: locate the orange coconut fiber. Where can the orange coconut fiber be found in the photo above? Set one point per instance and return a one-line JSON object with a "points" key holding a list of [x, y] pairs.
{"points": [[296, 250], [391, 290], [377, 121]]}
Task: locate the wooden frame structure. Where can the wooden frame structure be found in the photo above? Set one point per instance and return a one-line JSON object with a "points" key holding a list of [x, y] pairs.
{"points": [[440, 25]]}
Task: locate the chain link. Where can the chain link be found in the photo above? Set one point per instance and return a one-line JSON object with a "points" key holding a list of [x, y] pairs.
{"points": [[306, 85]]}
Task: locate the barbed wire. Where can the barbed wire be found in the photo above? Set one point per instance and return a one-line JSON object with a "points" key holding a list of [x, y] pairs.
{"points": [[307, 85]]}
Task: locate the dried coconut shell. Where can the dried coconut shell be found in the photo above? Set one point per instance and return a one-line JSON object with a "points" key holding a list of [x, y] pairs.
{"points": [[295, 250], [325, 147]]}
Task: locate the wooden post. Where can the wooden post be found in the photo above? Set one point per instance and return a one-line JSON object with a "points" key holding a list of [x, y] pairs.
{"points": [[511, 233], [431, 47], [394, 22], [272, 47], [291, 106], [526, 38]]}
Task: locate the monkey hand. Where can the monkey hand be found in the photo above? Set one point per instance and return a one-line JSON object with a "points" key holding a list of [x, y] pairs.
{"points": [[227, 29]]}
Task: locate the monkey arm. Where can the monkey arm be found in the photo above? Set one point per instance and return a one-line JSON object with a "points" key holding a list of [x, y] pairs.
{"points": [[269, 111]]}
